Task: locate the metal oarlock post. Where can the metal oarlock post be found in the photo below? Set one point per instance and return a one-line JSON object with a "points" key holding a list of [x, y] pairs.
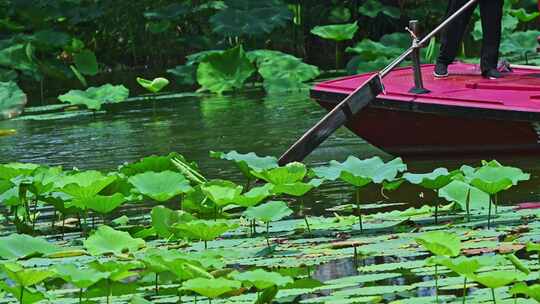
{"points": [[415, 57]]}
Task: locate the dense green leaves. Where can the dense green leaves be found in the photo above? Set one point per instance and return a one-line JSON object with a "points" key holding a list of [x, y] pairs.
{"points": [[93, 98], [269, 212], [12, 100], [224, 71], [440, 243], [155, 85], [337, 32], [17, 246]]}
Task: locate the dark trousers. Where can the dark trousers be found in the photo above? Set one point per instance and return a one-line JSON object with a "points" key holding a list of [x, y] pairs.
{"points": [[491, 11]]}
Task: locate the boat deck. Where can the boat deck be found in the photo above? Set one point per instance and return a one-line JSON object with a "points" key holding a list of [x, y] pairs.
{"points": [[517, 91]]}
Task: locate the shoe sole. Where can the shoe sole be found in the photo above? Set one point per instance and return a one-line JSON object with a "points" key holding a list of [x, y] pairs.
{"points": [[440, 76]]}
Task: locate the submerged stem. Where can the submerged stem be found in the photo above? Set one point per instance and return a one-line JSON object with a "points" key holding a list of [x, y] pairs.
{"points": [[80, 295], [464, 290], [267, 234], [358, 210], [493, 295], [436, 212], [437, 284], [307, 223]]}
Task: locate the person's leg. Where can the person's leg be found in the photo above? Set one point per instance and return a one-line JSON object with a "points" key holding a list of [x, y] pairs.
{"points": [[492, 13], [453, 34]]}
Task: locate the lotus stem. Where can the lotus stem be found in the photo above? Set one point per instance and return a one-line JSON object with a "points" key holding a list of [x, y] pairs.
{"points": [[205, 244], [358, 210], [267, 233], [493, 295], [355, 256], [53, 219], [254, 225], [436, 283], [338, 55], [464, 290], [80, 295], [436, 213], [109, 294], [307, 223], [156, 283], [22, 293], [489, 213], [63, 225], [496, 203], [468, 205]]}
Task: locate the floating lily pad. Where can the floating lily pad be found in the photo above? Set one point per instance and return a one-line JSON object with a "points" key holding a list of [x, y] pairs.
{"points": [[93, 98], [107, 240], [18, 246]]}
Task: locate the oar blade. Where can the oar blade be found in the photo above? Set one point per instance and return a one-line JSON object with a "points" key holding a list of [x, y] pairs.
{"points": [[336, 118]]}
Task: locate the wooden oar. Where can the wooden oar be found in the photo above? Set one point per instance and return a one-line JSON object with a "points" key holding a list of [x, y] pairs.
{"points": [[356, 101]]}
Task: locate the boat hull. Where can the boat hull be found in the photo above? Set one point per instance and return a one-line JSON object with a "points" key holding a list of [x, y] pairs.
{"points": [[415, 133]]}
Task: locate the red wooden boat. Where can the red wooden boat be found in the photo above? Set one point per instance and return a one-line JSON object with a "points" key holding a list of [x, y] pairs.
{"points": [[462, 114]]}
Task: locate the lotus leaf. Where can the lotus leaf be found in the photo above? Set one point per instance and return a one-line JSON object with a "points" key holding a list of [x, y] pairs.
{"points": [[340, 14], [460, 265], [247, 162], [221, 192], [435, 180], [497, 278], [28, 296], [80, 277], [251, 18], [184, 74], [372, 50], [139, 300], [12, 100], [440, 243], [19, 246], [161, 186], [492, 180], [204, 230], [254, 196], [107, 240], [458, 191], [269, 212], [26, 276], [372, 8], [153, 163], [211, 288], [170, 12], [226, 71], [93, 98], [99, 203], [116, 271], [282, 72], [86, 62], [154, 85], [163, 219], [337, 32], [532, 291], [291, 173], [518, 263], [262, 279]]}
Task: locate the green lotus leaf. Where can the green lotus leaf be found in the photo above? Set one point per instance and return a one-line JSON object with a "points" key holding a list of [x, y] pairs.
{"points": [[283, 72], [29, 295], [26, 276], [458, 191], [80, 277], [372, 50], [211, 288], [362, 172], [153, 163], [289, 174], [12, 170], [372, 8], [518, 264], [93, 98], [340, 14], [269, 212], [116, 271], [247, 162], [86, 62], [532, 291], [169, 12], [164, 218], [139, 300], [337, 32], [435, 180], [532, 247], [494, 179], [460, 265], [294, 189], [12, 100], [262, 279], [204, 230], [155, 85], [84, 190], [523, 15], [19, 246], [14, 55], [254, 196], [440, 243], [226, 71], [107, 240], [161, 186], [509, 25], [99, 203], [251, 18], [497, 278], [221, 192], [43, 180], [50, 39]]}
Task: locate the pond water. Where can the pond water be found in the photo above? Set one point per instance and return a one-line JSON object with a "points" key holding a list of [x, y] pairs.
{"points": [[194, 125]]}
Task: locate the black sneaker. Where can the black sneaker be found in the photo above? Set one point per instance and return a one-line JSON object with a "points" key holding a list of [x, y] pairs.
{"points": [[441, 70], [492, 74]]}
